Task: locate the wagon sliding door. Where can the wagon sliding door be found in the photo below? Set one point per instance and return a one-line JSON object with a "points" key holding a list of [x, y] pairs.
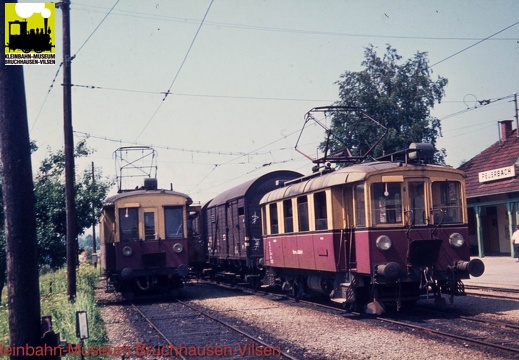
{"points": [[234, 228]]}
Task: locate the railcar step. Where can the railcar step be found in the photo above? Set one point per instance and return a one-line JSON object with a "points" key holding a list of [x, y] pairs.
{"points": [[338, 301]]}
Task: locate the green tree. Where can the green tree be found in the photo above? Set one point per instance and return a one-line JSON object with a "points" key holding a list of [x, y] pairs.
{"points": [[399, 95], [50, 203]]}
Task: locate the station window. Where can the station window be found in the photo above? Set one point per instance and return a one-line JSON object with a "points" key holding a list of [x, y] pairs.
{"points": [[360, 205], [302, 213], [386, 203], [129, 224], [274, 226], [321, 218], [174, 222], [288, 216], [446, 202]]}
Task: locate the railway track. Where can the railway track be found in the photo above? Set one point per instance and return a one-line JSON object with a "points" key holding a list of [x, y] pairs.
{"points": [[191, 332], [488, 333], [275, 318], [493, 292]]}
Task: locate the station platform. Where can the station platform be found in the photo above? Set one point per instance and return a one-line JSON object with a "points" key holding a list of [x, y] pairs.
{"points": [[500, 271]]}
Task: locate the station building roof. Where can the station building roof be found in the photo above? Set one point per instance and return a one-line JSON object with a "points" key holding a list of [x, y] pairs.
{"points": [[502, 154]]}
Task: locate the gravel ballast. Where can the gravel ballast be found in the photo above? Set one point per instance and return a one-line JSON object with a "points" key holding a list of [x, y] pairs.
{"points": [[300, 330]]}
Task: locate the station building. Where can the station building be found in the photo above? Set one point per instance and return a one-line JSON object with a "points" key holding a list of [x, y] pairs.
{"points": [[492, 187]]}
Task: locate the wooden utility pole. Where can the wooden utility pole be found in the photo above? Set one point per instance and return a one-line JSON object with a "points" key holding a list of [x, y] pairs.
{"points": [[516, 115], [93, 214], [19, 204], [69, 155]]}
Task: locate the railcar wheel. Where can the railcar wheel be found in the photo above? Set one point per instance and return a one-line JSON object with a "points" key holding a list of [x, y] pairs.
{"points": [[298, 290], [409, 304], [175, 294], [128, 295], [255, 283]]}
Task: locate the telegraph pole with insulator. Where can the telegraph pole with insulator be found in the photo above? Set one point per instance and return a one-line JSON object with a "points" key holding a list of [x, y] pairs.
{"points": [[69, 155]]}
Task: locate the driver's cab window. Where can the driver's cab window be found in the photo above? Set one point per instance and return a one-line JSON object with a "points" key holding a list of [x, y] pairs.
{"points": [[174, 218], [447, 202], [386, 203], [417, 212], [128, 224]]}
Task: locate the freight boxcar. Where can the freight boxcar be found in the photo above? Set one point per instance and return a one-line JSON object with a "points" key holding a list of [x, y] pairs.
{"points": [[232, 227]]}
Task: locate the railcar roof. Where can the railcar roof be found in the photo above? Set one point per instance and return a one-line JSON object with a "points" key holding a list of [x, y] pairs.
{"points": [[110, 201], [351, 174], [241, 190]]}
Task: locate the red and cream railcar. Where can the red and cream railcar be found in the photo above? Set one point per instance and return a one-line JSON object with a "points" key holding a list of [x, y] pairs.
{"points": [[146, 239], [370, 234]]}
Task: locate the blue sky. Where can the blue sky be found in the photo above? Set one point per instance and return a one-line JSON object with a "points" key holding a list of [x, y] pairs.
{"points": [[240, 89]]}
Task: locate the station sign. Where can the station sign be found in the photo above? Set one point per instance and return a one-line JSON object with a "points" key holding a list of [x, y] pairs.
{"points": [[497, 174]]}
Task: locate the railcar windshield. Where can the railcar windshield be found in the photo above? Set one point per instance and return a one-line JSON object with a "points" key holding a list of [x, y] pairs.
{"points": [[174, 222], [447, 202], [129, 224], [386, 203]]}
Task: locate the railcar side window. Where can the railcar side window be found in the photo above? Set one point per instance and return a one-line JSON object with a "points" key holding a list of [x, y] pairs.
{"points": [[273, 209], [174, 222], [447, 202], [129, 224], [321, 219], [360, 206], [288, 216], [386, 203], [302, 213], [417, 203]]}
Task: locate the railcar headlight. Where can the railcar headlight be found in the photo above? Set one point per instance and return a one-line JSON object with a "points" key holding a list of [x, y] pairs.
{"points": [[456, 240], [383, 243], [178, 248], [127, 251]]}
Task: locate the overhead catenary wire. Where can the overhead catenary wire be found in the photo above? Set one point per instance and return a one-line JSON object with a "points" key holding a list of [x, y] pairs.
{"points": [[239, 157], [482, 103], [143, 15], [471, 46], [46, 97], [178, 71], [96, 28], [234, 97], [61, 65], [165, 147]]}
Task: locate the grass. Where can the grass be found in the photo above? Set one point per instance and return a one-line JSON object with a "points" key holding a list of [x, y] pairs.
{"points": [[54, 302]]}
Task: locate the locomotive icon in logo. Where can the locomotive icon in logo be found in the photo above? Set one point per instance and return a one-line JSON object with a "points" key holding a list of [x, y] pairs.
{"points": [[26, 39]]}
